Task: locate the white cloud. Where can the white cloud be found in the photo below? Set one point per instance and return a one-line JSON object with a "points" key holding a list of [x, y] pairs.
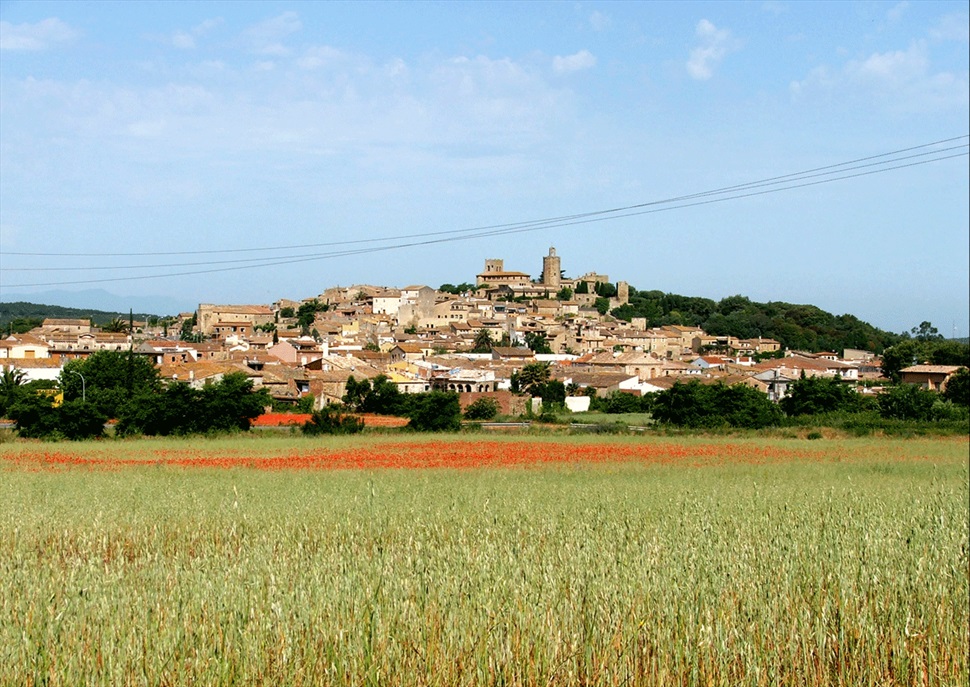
{"points": [[897, 11], [902, 80], [952, 27], [319, 56], [774, 7], [185, 40], [39, 36], [599, 21], [583, 59], [266, 38], [714, 45], [897, 66]]}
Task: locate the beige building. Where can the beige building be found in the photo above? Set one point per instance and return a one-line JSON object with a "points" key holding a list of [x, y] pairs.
{"points": [[224, 318]]}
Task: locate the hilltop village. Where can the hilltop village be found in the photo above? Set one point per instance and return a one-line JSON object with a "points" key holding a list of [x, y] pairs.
{"points": [[469, 338]]}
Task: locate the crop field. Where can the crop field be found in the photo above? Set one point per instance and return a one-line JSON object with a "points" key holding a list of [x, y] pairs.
{"points": [[485, 560]]}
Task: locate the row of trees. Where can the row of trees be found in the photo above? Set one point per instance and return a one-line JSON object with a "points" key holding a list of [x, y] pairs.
{"points": [[693, 404], [127, 387]]}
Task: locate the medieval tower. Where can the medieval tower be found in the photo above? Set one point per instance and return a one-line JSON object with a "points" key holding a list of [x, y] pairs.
{"points": [[551, 270]]}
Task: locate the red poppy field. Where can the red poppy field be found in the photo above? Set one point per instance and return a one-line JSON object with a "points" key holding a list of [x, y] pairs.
{"points": [[457, 453]]}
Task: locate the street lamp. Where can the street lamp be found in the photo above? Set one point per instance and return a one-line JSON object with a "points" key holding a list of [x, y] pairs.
{"points": [[84, 392]]}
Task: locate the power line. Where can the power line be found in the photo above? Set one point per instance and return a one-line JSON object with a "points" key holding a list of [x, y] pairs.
{"points": [[813, 177], [726, 189]]}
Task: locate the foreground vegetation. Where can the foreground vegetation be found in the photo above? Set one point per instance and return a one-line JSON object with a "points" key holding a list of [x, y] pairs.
{"points": [[726, 562]]}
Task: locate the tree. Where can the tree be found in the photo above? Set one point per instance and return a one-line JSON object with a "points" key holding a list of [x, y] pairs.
{"points": [[907, 402], [714, 405], [355, 392], [109, 379], [79, 420], [35, 416], [116, 326], [483, 342], [536, 341], [188, 326], [926, 332], [224, 406], [483, 408], [582, 287], [605, 290], [565, 294], [814, 395], [552, 392], [957, 389], [232, 403], [532, 376], [435, 411], [380, 396], [12, 383], [602, 305], [173, 411]]}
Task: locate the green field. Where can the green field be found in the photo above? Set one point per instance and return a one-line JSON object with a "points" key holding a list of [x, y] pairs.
{"points": [[849, 570]]}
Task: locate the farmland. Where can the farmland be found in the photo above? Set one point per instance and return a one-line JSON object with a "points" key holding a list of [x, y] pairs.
{"points": [[482, 560]]}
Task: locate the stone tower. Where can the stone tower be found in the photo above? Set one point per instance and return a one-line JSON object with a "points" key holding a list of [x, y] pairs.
{"points": [[622, 292], [551, 270]]}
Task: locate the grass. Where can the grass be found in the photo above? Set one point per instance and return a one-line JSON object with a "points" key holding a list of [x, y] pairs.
{"points": [[849, 568]]}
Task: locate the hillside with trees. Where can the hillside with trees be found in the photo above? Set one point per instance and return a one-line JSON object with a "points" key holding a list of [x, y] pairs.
{"points": [[20, 316], [798, 327]]}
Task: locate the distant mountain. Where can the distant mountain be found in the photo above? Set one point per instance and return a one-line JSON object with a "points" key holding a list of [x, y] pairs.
{"points": [[104, 301]]}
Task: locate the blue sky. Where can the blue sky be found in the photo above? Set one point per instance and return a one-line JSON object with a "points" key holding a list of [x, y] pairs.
{"points": [[181, 131]]}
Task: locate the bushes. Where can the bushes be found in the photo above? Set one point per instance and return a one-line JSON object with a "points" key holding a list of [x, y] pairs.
{"points": [[227, 405], [813, 395], [38, 418], [716, 405], [435, 411], [482, 409], [332, 419]]}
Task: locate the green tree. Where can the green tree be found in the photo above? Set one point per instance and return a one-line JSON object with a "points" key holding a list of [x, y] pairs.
{"points": [[565, 294], [232, 403], [483, 342], [12, 389], [173, 411], [109, 379], [188, 329], [926, 332], [553, 394], [483, 408], [602, 305], [532, 376], [605, 290], [35, 416], [79, 420], [435, 411], [814, 395], [116, 326], [907, 402], [536, 341], [715, 405], [355, 392], [582, 287], [957, 389], [224, 406]]}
